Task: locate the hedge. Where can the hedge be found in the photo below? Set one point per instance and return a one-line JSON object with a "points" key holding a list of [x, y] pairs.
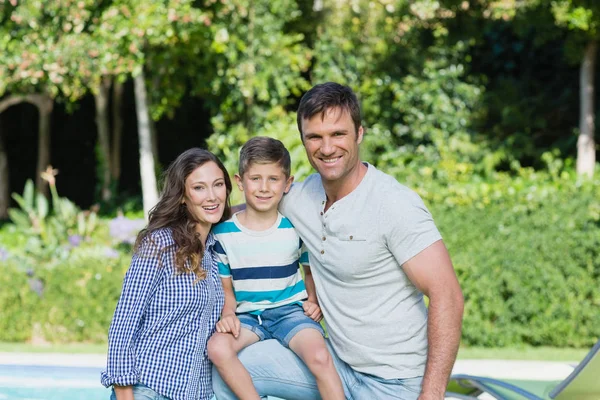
{"points": [[529, 266], [76, 304], [530, 275]]}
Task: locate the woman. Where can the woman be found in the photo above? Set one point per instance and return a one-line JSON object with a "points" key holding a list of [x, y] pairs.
{"points": [[172, 297]]}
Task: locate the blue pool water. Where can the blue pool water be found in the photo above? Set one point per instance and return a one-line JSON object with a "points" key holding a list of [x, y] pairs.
{"points": [[25, 382]]}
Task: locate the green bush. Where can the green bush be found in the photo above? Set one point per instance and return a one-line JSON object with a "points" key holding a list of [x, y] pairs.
{"points": [[526, 248], [529, 266], [18, 304], [80, 298], [76, 301]]}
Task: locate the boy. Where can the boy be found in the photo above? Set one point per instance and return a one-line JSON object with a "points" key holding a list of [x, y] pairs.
{"points": [[259, 253]]}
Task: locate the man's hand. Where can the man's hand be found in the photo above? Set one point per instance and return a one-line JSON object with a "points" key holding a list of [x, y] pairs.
{"points": [[229, 323], [312, 310]]}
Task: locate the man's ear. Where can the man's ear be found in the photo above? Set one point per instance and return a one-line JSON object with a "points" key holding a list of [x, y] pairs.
{"points": [[359, 136], [288, 184], [238, 180]]}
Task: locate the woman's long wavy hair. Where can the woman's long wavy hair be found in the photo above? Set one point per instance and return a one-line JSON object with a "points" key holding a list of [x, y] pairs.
{"points": [[169, 212]]}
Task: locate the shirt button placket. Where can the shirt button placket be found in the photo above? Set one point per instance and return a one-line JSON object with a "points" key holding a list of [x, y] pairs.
{"points": [[323, 216]]}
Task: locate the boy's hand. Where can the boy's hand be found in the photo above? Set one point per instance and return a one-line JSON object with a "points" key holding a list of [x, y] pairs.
{"points": [[312, 310], [229, 323]]}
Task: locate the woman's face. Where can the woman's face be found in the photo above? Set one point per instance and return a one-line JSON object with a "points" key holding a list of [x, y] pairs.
{"points": [[206, 194]]}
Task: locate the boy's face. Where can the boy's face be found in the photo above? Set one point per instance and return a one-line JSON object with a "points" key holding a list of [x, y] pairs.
{"points": [[263, 186]]}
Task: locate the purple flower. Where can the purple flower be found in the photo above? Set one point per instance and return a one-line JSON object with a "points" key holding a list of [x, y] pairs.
{"points": [[3, 254], [111, 253], [75, 240], [36, 285], [125, 230]]}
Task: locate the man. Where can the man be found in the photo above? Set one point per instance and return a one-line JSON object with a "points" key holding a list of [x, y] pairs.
{"points": [[374, 251]]}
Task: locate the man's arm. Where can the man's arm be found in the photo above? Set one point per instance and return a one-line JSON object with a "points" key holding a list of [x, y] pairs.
{"points": [[432, 273]]}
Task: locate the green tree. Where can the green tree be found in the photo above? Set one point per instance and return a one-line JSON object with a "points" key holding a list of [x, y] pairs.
{"points": [[417, 102], [36, 67], [582, 18], [155, 42], [259, 59]]}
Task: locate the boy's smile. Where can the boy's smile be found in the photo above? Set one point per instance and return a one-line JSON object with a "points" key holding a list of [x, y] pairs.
{"points": [[264, 185]]}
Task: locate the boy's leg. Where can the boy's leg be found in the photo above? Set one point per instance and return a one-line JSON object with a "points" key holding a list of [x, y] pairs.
{"points": [[222, 351], [305, 337], [310, 346]]}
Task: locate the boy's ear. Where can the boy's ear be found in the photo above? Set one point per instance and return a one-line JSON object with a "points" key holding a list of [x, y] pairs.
{"points": [[288, 184], [238, 180]]}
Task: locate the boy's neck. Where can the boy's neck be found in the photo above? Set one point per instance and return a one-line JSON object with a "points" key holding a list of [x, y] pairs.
{"points": [[257, 220]]}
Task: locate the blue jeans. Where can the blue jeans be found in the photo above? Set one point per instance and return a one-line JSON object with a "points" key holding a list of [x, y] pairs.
{"points": [[142, 392], [277, 371]]}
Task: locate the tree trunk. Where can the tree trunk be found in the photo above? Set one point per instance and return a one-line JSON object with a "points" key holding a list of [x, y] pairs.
{"points": [[4, 184], [153, 131], [44, 104], [103, 126], [154, 140], [117, 101], [586, 147], [149, 190]]}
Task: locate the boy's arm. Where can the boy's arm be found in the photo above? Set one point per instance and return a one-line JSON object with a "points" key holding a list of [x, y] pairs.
{"points": [[311, 305], [310, 285], [229, 322]]}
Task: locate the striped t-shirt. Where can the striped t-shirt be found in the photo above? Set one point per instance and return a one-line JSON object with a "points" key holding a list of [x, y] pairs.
{"points": [[263, 265]]}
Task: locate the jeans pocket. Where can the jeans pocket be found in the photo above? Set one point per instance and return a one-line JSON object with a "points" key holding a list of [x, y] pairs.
{"points": [[411, 384]]}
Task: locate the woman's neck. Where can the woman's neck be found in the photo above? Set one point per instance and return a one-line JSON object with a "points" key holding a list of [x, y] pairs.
{"points": [[203, 230]]}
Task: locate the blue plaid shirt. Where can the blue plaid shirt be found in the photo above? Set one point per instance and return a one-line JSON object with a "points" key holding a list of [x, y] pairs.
{"points": [[163, 321]]}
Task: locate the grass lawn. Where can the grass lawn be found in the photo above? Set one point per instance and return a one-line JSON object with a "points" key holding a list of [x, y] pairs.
{"points": [[72, 348], [512, 353], [522, 353]]}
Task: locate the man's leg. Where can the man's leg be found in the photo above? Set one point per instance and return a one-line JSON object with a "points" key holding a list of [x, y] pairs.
{"points": [[275, 371], [371, 387]]}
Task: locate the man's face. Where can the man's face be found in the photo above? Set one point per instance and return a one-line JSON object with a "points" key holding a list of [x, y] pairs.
{"points": [[331, 144]]}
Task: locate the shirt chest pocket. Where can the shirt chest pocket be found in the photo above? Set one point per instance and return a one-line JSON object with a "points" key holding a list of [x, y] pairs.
{"points": [[351, 247], [351, 237], [358, 255]]}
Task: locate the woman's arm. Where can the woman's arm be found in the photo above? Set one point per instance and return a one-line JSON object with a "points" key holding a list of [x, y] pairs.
{"points": [[139, 285], [123, 392]]}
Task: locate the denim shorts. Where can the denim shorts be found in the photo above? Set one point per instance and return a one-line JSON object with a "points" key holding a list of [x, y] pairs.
{"points": [[142, 392], [280, 323]]}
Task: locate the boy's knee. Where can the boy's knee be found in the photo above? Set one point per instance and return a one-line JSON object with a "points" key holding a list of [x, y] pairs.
{"points": [[319, 358], [219, 348]]}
